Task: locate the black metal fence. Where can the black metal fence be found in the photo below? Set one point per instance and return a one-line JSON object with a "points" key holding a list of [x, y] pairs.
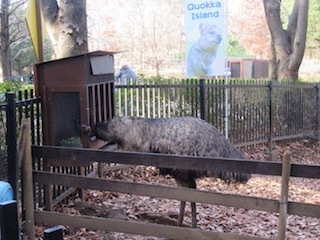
{"points": [[247, 111], [18, 106]]}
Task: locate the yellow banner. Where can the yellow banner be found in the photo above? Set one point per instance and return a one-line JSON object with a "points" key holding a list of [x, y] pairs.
{"points": [[32, 22]]}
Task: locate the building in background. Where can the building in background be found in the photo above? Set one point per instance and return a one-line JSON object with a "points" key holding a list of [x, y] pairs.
{"points": [[249, 68]]}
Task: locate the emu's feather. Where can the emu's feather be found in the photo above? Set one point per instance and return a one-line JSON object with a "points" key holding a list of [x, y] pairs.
{"points": [[179, 135]]}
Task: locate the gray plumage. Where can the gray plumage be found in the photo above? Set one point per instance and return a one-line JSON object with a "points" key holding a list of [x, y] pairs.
{"points": [[125, 74], [179, 135]]}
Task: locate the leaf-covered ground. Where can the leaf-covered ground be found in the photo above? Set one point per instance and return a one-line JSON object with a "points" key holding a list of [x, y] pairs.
{"points": [[210, 217]]}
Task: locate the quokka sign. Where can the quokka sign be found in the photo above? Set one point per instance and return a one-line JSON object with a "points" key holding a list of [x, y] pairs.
{"points": [[205, 28]]}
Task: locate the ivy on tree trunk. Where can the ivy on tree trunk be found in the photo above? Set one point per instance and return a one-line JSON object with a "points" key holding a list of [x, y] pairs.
{"points": [[66, 25]]}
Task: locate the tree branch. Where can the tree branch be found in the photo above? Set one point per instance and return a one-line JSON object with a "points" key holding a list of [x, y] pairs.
{"points": [[16, 5], [278, 34], [299, 43], [292, 25]]}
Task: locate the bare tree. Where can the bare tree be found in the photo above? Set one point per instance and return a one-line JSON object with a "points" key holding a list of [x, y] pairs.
{"points": [[5, 40], [12, 33], [66, 24], [288, 45], [157, 37], [247, 23], [150, 32]]}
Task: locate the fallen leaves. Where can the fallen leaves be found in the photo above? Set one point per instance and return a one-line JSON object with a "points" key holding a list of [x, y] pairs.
{"points": [[210, 217]]}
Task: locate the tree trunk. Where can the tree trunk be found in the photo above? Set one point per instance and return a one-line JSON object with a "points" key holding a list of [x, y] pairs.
{"points": [[5, 40], [288, 45], [66, 25]]}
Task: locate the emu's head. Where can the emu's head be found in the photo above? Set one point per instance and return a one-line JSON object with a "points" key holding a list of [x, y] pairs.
{"points": [[114, 130]]}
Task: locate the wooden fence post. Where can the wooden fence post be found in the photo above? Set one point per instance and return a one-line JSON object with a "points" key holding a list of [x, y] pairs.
{"points": [[283, 204], [27, 178], [318, 112]]}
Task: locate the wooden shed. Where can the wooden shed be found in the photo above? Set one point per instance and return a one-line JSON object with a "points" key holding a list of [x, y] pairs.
{"points": [[249, 68], [76, 93]]}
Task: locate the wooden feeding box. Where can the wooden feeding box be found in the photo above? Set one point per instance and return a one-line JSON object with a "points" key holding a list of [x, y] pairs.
{"points": [[76, 93]]}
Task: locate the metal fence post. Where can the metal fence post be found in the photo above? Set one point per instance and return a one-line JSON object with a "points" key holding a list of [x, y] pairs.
{"points": [[272, 153], [9, 225], [11, 141], [54, 233], [202, 99], [318, 112], [270, 115]]}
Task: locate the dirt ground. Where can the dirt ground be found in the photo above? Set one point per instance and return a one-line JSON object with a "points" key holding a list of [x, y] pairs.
{"points": [[210, 217]]}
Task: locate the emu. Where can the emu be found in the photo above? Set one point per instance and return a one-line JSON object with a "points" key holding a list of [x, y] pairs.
{"points": [[178, 135]]}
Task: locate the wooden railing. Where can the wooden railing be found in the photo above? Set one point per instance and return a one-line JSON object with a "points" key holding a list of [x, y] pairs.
{"points": [[82, 157]]}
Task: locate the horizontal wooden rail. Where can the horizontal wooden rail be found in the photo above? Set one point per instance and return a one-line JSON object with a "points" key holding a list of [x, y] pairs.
{"points": [[81, 157], [146, 229], [185, 194]]}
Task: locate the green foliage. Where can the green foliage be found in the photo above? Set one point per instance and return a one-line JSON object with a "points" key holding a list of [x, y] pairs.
{"points": [[235, 50], [13, 86], [71, 142], [145, 79], [309, 79], [313, 34], [10, 86]]}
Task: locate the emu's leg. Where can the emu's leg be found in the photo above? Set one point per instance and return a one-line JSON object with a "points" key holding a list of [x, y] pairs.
{"points": [[193, 206], [194, 214], [188, 181], [181, 213]]}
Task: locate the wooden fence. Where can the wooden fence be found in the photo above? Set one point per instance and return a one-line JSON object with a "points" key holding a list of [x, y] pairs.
{"points": [[82, 157]]}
